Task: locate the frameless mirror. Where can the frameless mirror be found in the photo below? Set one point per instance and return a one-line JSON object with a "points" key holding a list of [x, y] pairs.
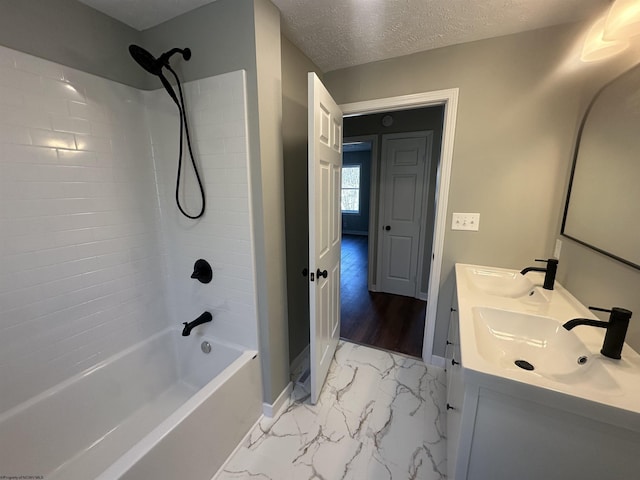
{"points": [[602, 210]]}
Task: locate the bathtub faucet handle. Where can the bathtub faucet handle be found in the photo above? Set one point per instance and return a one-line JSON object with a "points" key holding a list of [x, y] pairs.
{"points": [[202, 271], [204, 318]]}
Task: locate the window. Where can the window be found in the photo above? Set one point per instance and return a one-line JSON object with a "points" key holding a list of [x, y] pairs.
{"points": [[351, 189]]}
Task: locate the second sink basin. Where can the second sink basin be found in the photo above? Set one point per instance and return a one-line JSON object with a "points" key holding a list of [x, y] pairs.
{"points": [[499, 282], [540, 345]]}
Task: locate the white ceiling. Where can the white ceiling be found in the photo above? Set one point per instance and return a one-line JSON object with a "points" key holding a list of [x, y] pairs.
{"points": [[341, 33]]}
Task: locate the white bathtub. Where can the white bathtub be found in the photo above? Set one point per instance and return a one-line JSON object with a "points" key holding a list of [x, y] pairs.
{"points": [[162, 409]]}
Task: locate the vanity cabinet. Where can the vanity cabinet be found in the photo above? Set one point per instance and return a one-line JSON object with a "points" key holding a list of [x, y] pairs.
{"points": [[454, 388], [503, 427], [457, 405]]}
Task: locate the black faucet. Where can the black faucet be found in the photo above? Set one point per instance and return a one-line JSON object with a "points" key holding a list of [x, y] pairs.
{"points": [[204, 318], [549, 272], [616, 329]]}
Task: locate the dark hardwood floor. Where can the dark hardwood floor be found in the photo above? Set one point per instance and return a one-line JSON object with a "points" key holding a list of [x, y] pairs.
{"points": [[392, 322]]}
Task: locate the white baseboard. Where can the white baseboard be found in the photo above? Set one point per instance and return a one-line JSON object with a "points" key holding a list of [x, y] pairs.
{"points": [[282, 402], [437, 361]]}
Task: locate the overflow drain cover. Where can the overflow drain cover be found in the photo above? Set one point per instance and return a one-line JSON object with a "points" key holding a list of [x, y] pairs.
{"points": [[524, 364]]}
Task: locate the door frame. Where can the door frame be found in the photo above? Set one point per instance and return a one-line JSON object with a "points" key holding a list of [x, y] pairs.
{"points": [[449, 99], [373, 195]]}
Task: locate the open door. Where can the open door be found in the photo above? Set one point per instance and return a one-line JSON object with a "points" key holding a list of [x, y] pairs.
{"points": [[325, 230]]}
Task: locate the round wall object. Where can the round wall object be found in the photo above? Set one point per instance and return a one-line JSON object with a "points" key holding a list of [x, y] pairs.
{"points": [[387, 121], [202, 271]]}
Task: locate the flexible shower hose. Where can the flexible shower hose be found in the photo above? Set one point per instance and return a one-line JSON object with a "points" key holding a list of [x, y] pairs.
{"points": [[184, 128]]}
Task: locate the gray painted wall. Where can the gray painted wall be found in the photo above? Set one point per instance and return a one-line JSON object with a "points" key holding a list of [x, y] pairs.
{"points": [[268, 204], [221, 36], [295, 66], [73, 34], [517, 116]]}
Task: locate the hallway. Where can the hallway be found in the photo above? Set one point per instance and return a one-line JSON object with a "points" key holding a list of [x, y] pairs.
{"points": [[382, 320]]}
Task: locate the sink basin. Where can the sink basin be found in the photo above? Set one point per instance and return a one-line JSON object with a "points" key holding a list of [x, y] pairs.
{"points": [[504, 338], [499, 282]]}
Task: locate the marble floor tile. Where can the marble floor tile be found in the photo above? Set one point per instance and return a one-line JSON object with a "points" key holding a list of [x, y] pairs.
{"points": [[379, 416]]}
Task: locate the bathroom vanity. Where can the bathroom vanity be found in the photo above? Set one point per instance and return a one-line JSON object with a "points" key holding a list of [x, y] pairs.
{"points": [[528, 399]]}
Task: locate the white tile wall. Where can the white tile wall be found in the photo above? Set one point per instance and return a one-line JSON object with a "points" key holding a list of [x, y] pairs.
{"points": [[80, 251], [217, 116], [94, 255]]}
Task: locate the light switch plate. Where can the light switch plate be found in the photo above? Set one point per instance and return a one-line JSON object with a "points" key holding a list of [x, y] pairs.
{"points": [[465, 221]]}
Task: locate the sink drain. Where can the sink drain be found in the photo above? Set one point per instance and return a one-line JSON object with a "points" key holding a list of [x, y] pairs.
{"points": [[524, 365], [582, 360]]}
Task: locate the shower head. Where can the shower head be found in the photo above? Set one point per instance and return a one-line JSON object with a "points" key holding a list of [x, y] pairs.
{"points": [[164, 58], [154, 65], [147, 61]]}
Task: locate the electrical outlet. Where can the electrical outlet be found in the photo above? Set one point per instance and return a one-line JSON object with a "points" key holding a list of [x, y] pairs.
{"points": [[465, 221]]}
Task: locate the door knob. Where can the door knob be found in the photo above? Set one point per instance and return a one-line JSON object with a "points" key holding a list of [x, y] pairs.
{"points": [[305, 272], [387, 228], [322, 273]]}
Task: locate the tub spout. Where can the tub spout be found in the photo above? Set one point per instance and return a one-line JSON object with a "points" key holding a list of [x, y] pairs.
{"points": [[204, 318]]}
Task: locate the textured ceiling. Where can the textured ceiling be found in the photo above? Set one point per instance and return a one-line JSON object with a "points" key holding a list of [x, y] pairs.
{"points": [[341, 33]]}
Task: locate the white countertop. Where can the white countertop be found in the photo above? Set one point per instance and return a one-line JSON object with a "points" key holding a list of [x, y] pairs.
{"points": [[606, 389]]}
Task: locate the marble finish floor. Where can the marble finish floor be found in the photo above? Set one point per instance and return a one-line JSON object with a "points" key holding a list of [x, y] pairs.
{"points": [[380, 417]]}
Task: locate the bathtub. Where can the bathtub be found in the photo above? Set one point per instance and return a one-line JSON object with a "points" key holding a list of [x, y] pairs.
{"points": [[162, 409]]}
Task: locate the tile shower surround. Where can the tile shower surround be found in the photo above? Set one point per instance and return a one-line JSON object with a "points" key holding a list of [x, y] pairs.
{"points": [[93, 257]]}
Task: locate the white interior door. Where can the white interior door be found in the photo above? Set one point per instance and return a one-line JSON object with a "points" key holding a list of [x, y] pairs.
{"points": [[325, 230], [403, 170]]}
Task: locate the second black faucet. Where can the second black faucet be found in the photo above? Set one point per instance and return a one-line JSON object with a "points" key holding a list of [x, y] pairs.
{"points": [[549, 272]]}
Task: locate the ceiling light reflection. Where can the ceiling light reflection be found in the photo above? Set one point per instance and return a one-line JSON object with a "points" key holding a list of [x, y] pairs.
{"points": [[623, 20], [596, 48]]}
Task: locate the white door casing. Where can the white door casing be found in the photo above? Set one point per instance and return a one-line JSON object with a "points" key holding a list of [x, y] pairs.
{"points": [[372, 250], [401, 211], [325, 230], [448, 98]]}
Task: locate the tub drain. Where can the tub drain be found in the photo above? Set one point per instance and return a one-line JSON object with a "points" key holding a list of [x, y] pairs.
{"points": [[524, 365], [205, 347]]}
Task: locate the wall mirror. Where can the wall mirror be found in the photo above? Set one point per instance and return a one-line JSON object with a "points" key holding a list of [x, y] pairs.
{"points": [[602, 210]]}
